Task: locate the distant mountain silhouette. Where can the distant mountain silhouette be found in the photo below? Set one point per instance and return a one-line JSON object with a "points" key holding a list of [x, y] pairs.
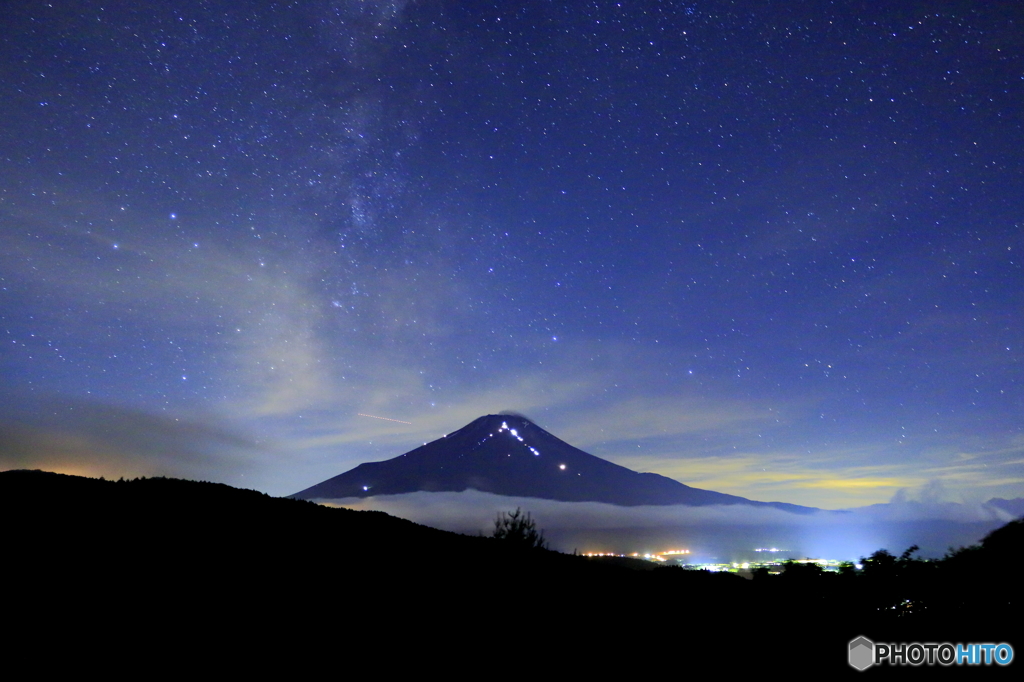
{"points": [[510, 455], [1014, 506]]}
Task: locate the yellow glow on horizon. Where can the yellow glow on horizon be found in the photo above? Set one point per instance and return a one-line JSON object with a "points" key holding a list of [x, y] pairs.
{"points": [[786, 478]]}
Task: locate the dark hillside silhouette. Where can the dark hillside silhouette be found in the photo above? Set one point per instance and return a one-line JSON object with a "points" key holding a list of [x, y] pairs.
{"points": [[171, 570]]}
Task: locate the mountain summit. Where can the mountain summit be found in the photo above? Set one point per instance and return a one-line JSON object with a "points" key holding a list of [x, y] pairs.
{"points": [[510, 455]]}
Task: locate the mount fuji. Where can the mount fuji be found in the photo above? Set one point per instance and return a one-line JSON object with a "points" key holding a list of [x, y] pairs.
{"points": [[509, 455]]}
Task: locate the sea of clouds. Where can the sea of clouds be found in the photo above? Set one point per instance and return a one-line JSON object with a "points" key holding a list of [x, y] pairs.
{"points": [[710, 533]]}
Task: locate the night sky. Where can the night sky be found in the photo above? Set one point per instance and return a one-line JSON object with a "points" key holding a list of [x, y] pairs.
{"points": [[768, 248]]}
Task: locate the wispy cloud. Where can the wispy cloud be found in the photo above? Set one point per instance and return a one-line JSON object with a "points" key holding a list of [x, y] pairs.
{"points": [[93, 439]]}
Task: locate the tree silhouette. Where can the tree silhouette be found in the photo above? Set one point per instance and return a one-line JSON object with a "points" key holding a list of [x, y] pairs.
{"points": [[520, 529]]}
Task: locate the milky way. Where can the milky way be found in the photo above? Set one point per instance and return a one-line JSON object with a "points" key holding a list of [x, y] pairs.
{"points": [[770, 249]]}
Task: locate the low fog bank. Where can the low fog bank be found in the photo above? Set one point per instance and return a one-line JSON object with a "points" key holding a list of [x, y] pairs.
{"points": [[711, 533]]}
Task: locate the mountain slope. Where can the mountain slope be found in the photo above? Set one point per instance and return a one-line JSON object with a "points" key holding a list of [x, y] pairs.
{"points": [[510, 455]]}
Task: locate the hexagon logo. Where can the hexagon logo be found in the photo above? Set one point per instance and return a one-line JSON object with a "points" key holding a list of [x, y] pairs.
{"points": [[862, 653]]}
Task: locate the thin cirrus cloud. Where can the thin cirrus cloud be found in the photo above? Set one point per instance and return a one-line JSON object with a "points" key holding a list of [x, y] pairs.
{"points": [[91, 439]]}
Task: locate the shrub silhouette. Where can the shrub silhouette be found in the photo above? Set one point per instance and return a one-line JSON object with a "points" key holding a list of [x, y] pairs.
{"points": [[520, 529]]}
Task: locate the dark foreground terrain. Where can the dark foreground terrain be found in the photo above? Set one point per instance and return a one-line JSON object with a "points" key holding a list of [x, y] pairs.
{"points": [[176, 574]]}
